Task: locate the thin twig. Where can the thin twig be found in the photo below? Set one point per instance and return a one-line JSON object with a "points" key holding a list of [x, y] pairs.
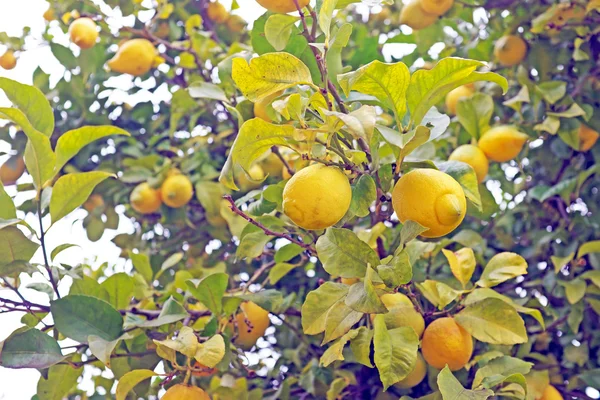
{"points": [[44, 252]]}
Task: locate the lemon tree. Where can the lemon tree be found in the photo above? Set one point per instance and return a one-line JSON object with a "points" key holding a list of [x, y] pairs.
{"points": [[336, 199]]}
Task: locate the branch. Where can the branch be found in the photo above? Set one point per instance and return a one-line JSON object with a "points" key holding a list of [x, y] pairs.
{"points": [[44, 252]]}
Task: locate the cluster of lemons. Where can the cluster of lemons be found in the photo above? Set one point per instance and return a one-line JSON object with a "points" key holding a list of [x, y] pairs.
{"points": [[419, 14], [217, 13], [176, 191]]}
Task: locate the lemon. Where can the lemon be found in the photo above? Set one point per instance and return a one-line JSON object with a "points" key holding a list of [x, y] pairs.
{"points": [[431, 198], [177, 190], [502, 143], [217, 12], [205, 371], [317, 197], [510, 50], [446, 342], [473, 156], [83, 32], [416, 376], [282, 6], [436, 7], [251, 324], [8, 60], [245, 183], [145, 199], [452, 98], [550, 393], [587, 137], [93, 202], [236, 24], [414, 16], [261, 106], [401, 313], [49, 15], [135, 57], [185, 392], [12, 170]]}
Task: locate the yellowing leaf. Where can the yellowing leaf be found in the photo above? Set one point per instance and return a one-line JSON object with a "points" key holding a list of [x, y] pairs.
{"points": [[502, 267], [211, 352], [439, 294], [451, 388], [462, 263], [130, 380], [360, 123], [185, 343], [268, 74], [334, 352], [318, 304]]}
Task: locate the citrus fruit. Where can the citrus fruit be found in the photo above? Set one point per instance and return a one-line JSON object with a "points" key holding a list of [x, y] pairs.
{"points": [[282, 6], [416, 376], [83, 32], [185, 392], [135, 57], [251, 323], [8, 60], [431, 198], [502, 143], [49, 15], [236, 24], [550, 393], [203, 370], [452, 98], [414, 16], [401, 312], [446, 342], [473, 156], [177, 190], [145, 199], [317, 197], [12, 170], [587, 137], [436, 7], [510, 50], [93, 202], [217, 12]]}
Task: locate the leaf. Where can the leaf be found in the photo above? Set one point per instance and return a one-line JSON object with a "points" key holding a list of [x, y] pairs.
{"points": [[588, 248], [552, 91], [439, 294], [395, 352], [334, 352], [452, 389], [7, 206], [60, 248], [71, 142], [325, 16], [89, 287], [561, 262], [141, 262], [361, 346], [278, 30], [14, 246], [61, 380], [318, 304], [493, 321], [206, 90], [574, 111], [64, 55], [474, 113], [504, 366], [398, 271], [210, 291], [502, 267], [78, 317], [186, 342], [429, 87], [279, 271], [171, 312], [387, 82], [270, 299], [170, 262], [101, 348], [131, 380], [211, 352], [32, 102], [574, 290], [120, 290], [360, 123], [339, 321], [484, 293], [465, 175], [364, 193], [344, 254], [593, 276], [72, 190], [410, 230], [268, 74], [363, 298], [462, 263], [29, 349]]}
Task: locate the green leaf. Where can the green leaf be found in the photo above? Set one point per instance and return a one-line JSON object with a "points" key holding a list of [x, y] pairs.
{"points": [[206, 90], [474, 113], [398, 271], [439, 294], [287, 252], [64, 55], [268, 74], [14, 246], [89, 287], [363, 298], [588, 248], [465, 175], [72, 190], [503, 366], [552, 91], [71, 142], [60, 382], [429, 87], [387, 82], [334, 352], [361, 346], [171, 312], [395, 352], [593, 276], [60, 248], [7, 206], [364, 193], [339, 321], [574, 290], [78, 317], [319, 303], [29, 349], [141, 262], [279, 271], [131, 380], [502, 267], [325, 16], [278, 30], [452, 389], [120, 290], [462, 263], [410, 230], [211, 352], [210, 291], [32, 102], [493, 321], [344, 254], [484, 293], [270, 299]]}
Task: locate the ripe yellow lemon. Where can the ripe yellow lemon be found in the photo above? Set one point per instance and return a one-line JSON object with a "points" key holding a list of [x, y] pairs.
{"points": [[261, 106], [145, 199], [83, 32], [12, 170], [135, 57], [401, 312], [436, 7], [510, 50], [502, 143], [93, 202], [455, 95], [8, 60], [431, 198], [317, 197], [416, 376], [446, 342], [252, 322], [413, 15], [185, 392], [473, 156], [587, 137], [236, 24], [177, 190], [282, 6], [49, 15], [550, 393], [217, 12]]}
